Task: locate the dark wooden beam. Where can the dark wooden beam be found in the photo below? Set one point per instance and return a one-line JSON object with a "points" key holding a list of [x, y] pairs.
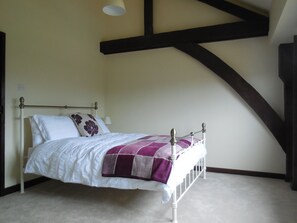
{"points": [[235, 10], [288, 74], [243, 88], [2, 113], [294, 152], [148, 18], [285, 63], [230, 31]]}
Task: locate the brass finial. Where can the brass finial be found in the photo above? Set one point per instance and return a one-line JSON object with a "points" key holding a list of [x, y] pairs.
{"points": [[203, 127], [22, 102], [173, 138]]}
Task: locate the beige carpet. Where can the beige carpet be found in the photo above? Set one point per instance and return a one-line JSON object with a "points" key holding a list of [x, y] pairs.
{"points": [[221, 198]]}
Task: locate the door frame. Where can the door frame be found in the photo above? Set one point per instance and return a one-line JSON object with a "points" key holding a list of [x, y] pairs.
{"points": [[2, 113]]}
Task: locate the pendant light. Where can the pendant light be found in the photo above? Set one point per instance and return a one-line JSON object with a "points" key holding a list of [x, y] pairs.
{"points": [[114, 7]]}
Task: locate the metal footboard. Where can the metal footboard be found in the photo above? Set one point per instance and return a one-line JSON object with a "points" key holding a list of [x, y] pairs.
{"points": [[190, 178]]}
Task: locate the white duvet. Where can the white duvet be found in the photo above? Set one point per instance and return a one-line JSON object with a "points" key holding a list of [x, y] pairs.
{"points": [[79, 160]]}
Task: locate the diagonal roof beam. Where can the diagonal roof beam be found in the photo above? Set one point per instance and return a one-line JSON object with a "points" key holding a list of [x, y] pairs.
{"points": [[250, 95], [229, 31], [235, 10]]}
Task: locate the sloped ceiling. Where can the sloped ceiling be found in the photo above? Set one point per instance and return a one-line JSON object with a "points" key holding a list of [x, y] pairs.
{"points": [[283, 21], [283, 18], [261, 4]]}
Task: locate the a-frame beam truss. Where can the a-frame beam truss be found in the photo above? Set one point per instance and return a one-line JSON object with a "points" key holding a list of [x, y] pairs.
{"points": [[254, 25]]}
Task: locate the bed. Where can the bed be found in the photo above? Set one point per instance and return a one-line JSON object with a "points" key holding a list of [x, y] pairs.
{"points": [[67, 151]]}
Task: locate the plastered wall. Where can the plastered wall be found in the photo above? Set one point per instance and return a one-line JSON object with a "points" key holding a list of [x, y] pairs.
{"points": [[52, 58]]}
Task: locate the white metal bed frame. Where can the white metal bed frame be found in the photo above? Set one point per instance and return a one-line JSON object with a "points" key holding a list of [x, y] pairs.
{"points": [[198, 170]]}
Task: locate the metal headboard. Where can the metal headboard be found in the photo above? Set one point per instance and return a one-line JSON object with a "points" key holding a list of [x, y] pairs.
{"points": [[22, 106]]}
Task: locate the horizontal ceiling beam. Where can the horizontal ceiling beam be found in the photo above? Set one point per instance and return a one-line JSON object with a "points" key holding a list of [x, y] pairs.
{"points": [[229, 31]]}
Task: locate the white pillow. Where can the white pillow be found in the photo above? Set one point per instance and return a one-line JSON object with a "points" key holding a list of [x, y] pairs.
{"points": [[36, 134], [55, 127], [102, 125]]}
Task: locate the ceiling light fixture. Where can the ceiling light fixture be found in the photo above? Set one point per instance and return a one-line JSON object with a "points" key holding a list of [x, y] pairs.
{"points": [[114, 7]]}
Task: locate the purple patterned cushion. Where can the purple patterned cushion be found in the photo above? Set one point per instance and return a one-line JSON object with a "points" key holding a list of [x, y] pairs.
{"points": [[86, 124]]}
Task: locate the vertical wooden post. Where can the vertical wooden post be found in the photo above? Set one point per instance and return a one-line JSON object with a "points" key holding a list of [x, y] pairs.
{"points": [[294, 152], [2, 113], [286, 74], [148, 18]]}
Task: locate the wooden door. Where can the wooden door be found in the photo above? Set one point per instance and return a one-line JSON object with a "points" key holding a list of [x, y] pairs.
{"points": [[2, 111]]}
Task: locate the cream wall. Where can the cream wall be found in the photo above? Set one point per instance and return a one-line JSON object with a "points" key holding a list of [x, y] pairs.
{"points": [[154, 90], [52, 58]]}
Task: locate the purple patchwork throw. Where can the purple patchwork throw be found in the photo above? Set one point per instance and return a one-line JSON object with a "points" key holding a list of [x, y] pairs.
{"points": [[147, 158]]}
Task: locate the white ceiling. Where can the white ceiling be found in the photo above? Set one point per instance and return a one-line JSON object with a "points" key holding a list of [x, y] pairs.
{"points": [[282, 15], [261, 4]]}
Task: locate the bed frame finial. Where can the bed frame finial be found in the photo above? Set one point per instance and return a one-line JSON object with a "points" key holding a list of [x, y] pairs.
{"points": [[22, 102], [203, 127], [96, 105], [173, 136]]}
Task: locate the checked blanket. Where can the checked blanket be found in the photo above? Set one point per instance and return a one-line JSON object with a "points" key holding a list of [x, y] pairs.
{"points": [[147, 158]]}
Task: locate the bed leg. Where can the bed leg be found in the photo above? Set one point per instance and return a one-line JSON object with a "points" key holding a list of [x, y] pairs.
{"points": [[22, 186], [174, 211], [204, 168]]}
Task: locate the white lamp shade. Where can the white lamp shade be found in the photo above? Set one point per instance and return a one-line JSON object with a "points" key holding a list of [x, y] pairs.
{"points": [[114, 7]]}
